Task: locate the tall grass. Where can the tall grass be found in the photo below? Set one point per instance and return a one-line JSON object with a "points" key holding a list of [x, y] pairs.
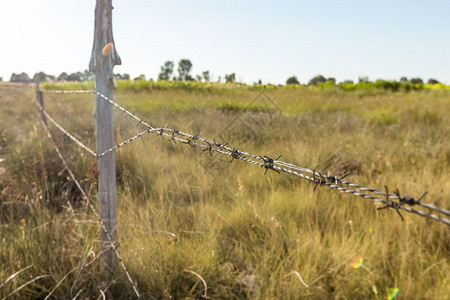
{"points": [[244, 233]]}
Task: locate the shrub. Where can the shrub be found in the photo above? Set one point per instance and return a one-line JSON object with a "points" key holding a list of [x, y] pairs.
{"points": [[316, 80], [432, 81], [292, 80], [416, 80]]}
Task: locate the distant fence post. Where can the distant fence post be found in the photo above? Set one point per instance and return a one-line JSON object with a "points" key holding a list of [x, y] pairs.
{"points": [[40, 100], [103, 59]]}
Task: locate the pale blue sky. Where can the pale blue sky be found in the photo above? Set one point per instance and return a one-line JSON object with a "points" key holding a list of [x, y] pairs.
{"points": [[267, 40]]}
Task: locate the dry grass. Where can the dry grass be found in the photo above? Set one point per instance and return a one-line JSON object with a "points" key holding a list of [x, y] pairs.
{"points": [[243, 233]]}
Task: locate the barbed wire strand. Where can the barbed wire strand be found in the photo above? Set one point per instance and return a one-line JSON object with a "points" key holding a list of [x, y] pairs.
{"points": [[90, 151], [127, 141], [288, 167], [363, 188], [91, 206]]}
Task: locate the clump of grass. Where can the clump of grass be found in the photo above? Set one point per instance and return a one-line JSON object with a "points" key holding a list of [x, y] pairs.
{"points": [[383, 117], [243, 107]]}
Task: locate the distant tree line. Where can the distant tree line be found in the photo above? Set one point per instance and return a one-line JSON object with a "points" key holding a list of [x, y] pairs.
{"points": [[320, 80], [86, 75], [184, 69]]}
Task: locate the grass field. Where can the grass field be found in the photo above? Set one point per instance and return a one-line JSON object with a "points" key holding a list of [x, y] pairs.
{"points": [[244, 233]]}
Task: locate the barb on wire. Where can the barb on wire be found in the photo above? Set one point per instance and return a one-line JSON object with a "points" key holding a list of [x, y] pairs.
{"points": [[408, 199], [161, 130], [86, 198], [219, 145], [335, 179], [209, 149], [268, 163], [235, 154], [318, 180], [331, 181], [393, 205]]}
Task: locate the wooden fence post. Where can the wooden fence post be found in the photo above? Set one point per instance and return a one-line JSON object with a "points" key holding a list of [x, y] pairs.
{"points": [[40, 100], [103, 59]]}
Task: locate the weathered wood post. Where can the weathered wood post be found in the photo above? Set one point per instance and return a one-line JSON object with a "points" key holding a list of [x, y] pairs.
{"points": [[40, 100], [103, 59]]}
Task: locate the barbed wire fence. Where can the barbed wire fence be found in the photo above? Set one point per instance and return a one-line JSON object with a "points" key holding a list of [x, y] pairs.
{"points": [[390, 200]]}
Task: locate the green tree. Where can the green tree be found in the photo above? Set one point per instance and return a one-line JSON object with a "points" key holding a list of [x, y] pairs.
{"points": [[63, 76], [416, 80], [347, 81], [87, 75], [432, 81], [166, 70], [363, 79], [316, 80], [331, 79], [206, 76], [140, 77], [123, 76], [22, 77], [292, 80], [230, 78], [403, 79], [184, 68], [40, 77], [78, 76]]}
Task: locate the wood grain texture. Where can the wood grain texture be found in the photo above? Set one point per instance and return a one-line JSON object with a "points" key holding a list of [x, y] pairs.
{"points": [[103, 66]]}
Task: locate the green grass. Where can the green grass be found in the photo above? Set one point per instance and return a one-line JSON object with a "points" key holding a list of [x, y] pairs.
{"points": [[244, 233]]}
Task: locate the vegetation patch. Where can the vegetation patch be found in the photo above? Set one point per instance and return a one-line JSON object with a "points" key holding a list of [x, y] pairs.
{"points": [[247, 235]]}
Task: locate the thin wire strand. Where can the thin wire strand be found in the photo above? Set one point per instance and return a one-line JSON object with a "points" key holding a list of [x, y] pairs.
{"points": [[68, 91], [127, 141], [65, 132]]}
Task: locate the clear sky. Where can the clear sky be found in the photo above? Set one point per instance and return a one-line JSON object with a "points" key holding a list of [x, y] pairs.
{"points": [[267, 40]]}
